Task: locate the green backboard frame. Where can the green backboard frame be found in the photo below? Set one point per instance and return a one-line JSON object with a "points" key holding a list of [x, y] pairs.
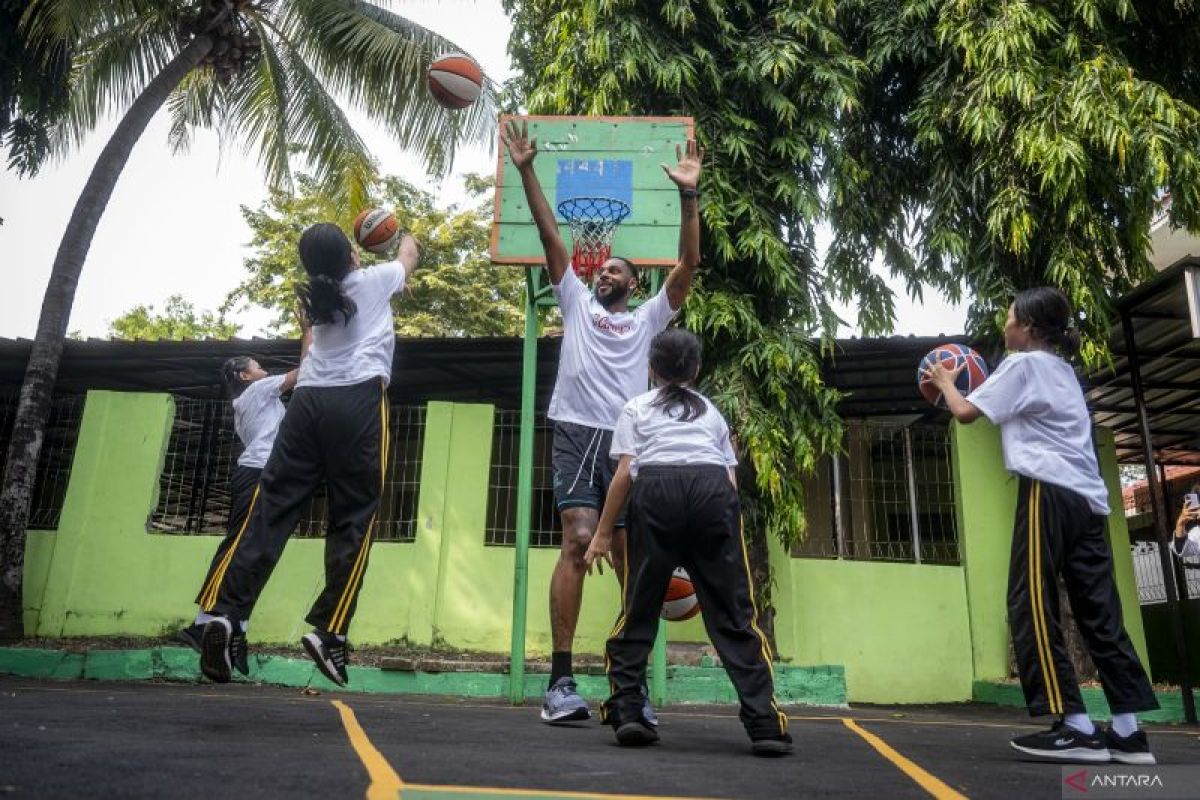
{"points": [[607, 156]]}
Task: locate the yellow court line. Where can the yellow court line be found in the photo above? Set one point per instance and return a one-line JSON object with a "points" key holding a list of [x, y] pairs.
{"points": [[507, 792], [925, 780], [385, 783]]}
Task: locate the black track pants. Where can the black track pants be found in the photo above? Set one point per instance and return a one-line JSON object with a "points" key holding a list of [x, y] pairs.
{"points": [[1057, 533], [242, 484], [690, 517], [333, 433]]}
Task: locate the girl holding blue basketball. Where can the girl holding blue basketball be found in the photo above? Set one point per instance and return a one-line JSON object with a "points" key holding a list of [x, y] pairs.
{"points": [[1046, 431]]}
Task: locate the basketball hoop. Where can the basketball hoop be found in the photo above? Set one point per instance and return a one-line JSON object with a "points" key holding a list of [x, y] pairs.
{"points": [[593, 221]]}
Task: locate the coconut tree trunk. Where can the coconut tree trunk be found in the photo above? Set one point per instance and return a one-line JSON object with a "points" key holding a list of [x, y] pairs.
{"points": [[33, 408]]}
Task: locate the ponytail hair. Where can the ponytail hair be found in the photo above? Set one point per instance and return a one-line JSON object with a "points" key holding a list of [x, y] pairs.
{"points": [[231, 375], [1047, 312], [675, 359], [326, 255]]}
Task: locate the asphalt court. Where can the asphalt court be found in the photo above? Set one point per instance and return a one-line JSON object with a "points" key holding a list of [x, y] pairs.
{"points": [[89, 739]]}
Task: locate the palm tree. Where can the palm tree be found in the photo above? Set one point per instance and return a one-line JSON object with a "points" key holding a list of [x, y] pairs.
{"points": [[262, 72]]}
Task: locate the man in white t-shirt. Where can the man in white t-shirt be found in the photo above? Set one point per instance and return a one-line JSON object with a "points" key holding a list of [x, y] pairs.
{"points": [[602, 366]]}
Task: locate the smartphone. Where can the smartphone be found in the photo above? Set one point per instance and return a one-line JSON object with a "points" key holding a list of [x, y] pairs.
{"points": [[1191, 500]]}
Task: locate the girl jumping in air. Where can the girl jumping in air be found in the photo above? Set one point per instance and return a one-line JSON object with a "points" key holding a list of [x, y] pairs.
{"points": [[336, 430], [1046, 431], [257, 412]]}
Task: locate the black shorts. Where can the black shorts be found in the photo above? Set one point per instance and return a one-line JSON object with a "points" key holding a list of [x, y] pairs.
{"points": [[583, 469]]}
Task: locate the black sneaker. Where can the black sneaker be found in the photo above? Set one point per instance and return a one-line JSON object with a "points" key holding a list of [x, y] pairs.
{"points": [[636, 734], [190, 636], [1063, 743], [1131, 749], [215, 661], [772, 746], [329, 654], [239, 652]]}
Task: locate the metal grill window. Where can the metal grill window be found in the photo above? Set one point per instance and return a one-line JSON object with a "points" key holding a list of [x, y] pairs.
{"points": [[502, 485], [1147, 571], [53, 470], [202, 452], [888, 497]]}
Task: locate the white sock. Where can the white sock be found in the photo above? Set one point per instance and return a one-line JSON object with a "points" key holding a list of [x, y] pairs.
{"points": [[203, 618], [244, 624], [1125, 724], [1081, 723]]}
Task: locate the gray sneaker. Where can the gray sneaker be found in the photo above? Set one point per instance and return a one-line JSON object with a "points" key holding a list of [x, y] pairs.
{"points": [[648, 710], [563, 703]]}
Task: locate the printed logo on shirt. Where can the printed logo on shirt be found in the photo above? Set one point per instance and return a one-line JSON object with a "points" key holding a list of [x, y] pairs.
{"points": [[605, 323]]}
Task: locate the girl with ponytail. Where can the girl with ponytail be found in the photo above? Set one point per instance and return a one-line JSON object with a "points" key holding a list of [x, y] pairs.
{"points": [[335, 430], [677, 471], [257, 411], [1062, 502]]}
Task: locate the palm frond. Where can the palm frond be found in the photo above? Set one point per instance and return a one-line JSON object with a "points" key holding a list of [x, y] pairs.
{"points": [[193, 104], [257, 111], [72, 20], [335, 152], [110, 68], [377, 61]]}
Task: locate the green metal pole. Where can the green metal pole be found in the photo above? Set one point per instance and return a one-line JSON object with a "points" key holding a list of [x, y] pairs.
{"points": [[516, 686], [658, 672]]}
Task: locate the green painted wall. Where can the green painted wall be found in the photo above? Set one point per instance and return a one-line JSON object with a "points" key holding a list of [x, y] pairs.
{"points": [[1118, 539], [102, 574], [899, 630], [985, 502], [904, 632]]}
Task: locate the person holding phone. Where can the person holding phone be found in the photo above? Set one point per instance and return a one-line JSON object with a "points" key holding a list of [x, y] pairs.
{"points": [[1187, 528]]}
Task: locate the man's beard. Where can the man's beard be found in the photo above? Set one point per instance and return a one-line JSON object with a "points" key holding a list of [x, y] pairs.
{"points": [[614, 296]]}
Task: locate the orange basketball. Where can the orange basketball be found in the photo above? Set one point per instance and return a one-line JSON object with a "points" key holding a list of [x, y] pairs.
{"points": [[376, 230], [455, 80], [680, 602]]}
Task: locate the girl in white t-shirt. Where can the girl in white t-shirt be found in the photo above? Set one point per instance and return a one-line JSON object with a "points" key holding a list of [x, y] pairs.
{"points": [[257, 411], [335, 430], [1046, 431], [677, 470]]}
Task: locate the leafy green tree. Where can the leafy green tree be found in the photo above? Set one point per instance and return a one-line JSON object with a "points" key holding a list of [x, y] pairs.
{"points": [[996, 146], [267, 74], [33, 89], [179, 320], [457, 292]]}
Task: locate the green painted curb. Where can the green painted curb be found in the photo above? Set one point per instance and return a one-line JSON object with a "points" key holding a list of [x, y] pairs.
{"points": [[817, 686], [1010, 694]]}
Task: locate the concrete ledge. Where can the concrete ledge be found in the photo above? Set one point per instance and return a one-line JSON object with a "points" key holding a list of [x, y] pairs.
{"points": [[1010, 694], [817, 686]]}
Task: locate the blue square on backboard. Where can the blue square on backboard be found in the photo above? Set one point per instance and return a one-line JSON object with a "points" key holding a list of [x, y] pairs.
{"points": [[594, 177]]}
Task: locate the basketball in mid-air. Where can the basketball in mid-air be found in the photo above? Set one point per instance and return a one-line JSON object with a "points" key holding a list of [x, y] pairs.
{"points": [[680, 602], [951, 356], [376, 230], [455, 81]]}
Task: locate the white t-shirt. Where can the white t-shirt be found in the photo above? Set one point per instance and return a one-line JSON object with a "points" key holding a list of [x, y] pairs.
{"points": [[652, 436], [343, 355], [605, 355], [257, 412], [1044, 423]]}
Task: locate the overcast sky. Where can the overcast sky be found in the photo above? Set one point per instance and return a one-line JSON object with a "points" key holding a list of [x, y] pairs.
{"points": [[174, 225]]}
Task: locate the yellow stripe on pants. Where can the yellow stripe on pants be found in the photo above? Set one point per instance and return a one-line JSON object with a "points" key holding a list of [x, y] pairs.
{"points": [[1037, 599], [209, 597], [343, 607]]}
